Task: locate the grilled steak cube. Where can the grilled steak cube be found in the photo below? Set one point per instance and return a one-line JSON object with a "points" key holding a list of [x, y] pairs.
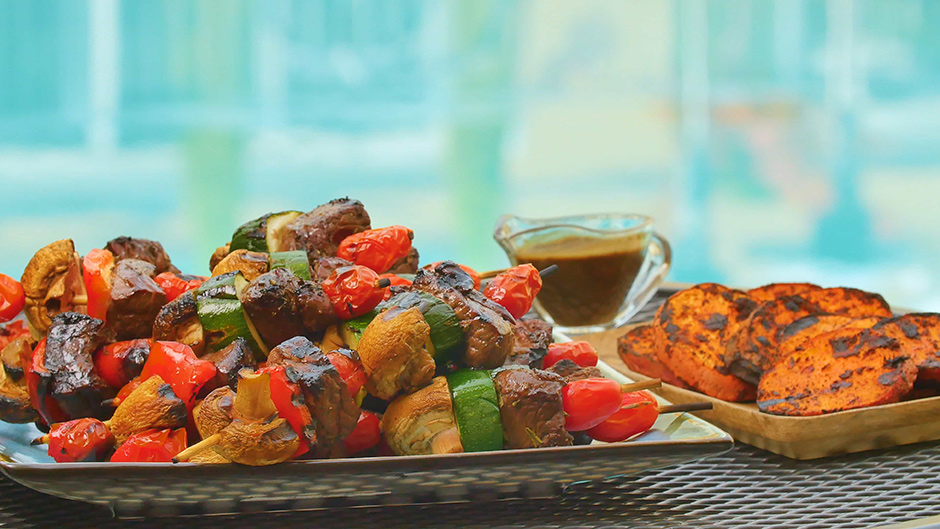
{"points": [[532, 337], [407, 264], [487, 325], [136, 299], [326, 395], [229, 361], [320, 231], [570, 371], [282, 306], [178, 321], [72, 381], [324, 266], [142, 249], [531, 409]]}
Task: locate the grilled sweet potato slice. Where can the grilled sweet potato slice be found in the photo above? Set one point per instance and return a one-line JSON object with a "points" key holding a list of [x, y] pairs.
{"points": [[778, 290], [840, 370], [849, 301], [692, 327], [638, 349], [919, 335], [797, 333]]}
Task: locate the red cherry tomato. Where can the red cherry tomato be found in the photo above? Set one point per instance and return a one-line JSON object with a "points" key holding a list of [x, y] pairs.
{"points": [[471, 272], [353, 291], [515, 289], [581, 353], [589, 402], [394, 281], [80, 440], [174, 286], [368, 433], [638, 411], [178, 366], [12, 298], [97, 267], [288, 398], [151, 446], [350, 370], [378, 249]]}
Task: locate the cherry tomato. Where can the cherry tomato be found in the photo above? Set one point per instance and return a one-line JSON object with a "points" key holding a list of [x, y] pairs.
{"points": [[515, 289], [638, 411], [368, 433], [589, 402], [174, 286], [394, 281], [12, 298], [97, 267], [178, 366], [377, 249], [80, 440], [119, 362], [151, 446], [353, 291], [350, 370], [288, 398], [581, 353], [471, 272]]}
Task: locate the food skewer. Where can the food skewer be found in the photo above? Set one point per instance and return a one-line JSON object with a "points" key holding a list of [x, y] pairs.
{"points": [[545, 272]]}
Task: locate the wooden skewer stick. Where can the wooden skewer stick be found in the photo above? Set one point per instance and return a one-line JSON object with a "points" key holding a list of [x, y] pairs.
{"points": [[42, 440], [81, 299], [187, 454], [690, 406], [637, 386]]}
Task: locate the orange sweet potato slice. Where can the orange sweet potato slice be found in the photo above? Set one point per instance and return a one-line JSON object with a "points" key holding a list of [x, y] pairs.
{"points": [[692, 327], [638, 350], [840, 370], [849, 301], [778, 290], [797, 333], [919, 335]]}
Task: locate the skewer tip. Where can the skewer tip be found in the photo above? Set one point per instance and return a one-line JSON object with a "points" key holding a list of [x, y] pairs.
{"points": [[383, 283], [548, 270]]}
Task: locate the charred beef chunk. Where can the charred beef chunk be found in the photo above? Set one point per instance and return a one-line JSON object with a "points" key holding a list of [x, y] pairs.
{"points": [[229, 361], [142, 249], [282, 306], [134, 358], [334, 410], [324, 266], [178, 321], [571, 371], [530, 344], [136, 299], [70, 378], [489, 328], [531, 409], [407, 264], [320, 231]]}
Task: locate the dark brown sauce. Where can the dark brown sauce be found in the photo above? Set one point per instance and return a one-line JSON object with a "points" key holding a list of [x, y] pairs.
{"points": [[593, 277]]}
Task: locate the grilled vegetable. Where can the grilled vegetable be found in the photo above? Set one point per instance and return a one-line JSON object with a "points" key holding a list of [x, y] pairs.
{"points": [[295, 261], [638, 411], [264, 234], [53, 284], [250, 264], [476, 409], [153, 404], [354, 291], [778, 290], [176, 364], [97, 268], [229, 361], [214, 412], [423, 422], [919, 338], [221, 314], [120, 362], [377, 249], [515, 289], [151, 446], [638, 349], [395, 353], [175, 285], [78, 440], [12, 298]]}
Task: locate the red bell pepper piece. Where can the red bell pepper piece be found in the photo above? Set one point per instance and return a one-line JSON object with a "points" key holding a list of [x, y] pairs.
{"points": [[174, 286], [515, 289], [350, 371], [581, 353], [377, 249], [353, 290], [112, 362], [151, 446], [288, 398], [96, 272], [368, 433], [39, 386], [12, 298], [178, 366], [84, 439]]}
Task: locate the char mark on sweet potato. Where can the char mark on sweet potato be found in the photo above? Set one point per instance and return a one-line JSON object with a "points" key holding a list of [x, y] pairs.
{"points": [[693, 339], [320, 231], [797, 333], [639, 351], [840, 370], [919, 335]]}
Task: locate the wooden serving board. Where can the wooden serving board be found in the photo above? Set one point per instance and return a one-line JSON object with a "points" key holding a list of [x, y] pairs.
{"points": [[828, 435]]}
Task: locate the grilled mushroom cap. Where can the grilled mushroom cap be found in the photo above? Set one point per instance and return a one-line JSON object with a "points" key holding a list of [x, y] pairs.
{"points": [[218, 255], [423, 422], [15, 406], [394, 350], [250, 264], [214, 412], [152, 404], [53, 284], [256, 436]]}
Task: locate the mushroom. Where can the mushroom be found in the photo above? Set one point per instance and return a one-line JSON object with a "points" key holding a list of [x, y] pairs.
{"points": [[214, 412], [15, 406], [218, 255], [250, 264], [394, 350], [53, 284], [423, 422], [152, 404]]}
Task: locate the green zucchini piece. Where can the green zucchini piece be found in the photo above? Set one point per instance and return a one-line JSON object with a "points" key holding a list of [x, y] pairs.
{"points": [[447, 335], [296, 261], [222, 316], [351, 330], [476, 408], [262, 234]]}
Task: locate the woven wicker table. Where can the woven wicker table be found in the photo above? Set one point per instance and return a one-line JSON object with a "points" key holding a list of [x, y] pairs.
{"points": [[744, 488]]}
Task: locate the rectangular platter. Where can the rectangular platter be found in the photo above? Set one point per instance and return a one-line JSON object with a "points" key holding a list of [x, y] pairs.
{"points": [[164, 489], [844, 432]]}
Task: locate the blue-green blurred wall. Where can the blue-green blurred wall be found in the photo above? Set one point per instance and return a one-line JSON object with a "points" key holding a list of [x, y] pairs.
{"points": [[772, 140]]}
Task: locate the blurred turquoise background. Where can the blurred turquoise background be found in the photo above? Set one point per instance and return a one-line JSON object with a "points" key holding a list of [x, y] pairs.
{"points": [[772, 140]]}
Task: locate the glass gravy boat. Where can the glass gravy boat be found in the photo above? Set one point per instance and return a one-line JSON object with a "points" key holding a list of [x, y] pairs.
{"points": [[609, 266]]}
